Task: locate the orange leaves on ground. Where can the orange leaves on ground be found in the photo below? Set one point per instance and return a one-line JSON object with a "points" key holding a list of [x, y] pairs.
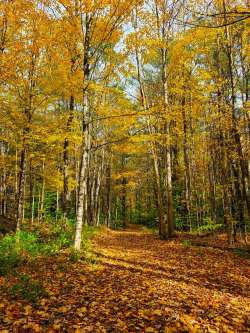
{"points": [[140, 284]]}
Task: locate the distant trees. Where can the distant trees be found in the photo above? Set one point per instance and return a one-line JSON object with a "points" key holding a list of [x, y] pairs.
{"points": [[117, 111]]}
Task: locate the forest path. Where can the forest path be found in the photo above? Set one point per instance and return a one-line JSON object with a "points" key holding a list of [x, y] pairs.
{"points": [[167, 286], [139, 283]]}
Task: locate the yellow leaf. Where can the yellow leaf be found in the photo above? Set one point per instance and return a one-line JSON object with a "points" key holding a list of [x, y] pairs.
{"points": [[83, 309], [150, 330], [63, 309], [27, 309], [57, 326], [157, 312]]}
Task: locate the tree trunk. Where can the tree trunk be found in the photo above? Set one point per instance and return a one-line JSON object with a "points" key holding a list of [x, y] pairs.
{"points": [[20, 192], [168, 157], [31, 194], [107, 198], [83, 178], [162, 225], [42, 213], [66, 193], [85, 147]]}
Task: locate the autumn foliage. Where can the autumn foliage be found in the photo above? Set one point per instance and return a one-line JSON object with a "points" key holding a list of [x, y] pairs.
{"points": [[120, 114]]}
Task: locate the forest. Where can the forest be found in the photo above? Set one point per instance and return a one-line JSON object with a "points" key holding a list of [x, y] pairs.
{"points": [[124, 166]]}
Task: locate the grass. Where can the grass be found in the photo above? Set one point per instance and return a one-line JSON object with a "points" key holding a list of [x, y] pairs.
{"points": [[186, 243], [46, 239]]}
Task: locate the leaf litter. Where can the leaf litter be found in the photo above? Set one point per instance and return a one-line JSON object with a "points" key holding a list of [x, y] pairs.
{"points": [[139, 284]]}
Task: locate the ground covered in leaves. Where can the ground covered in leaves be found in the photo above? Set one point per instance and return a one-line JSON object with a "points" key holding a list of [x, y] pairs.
{"points": [[138, 283]]}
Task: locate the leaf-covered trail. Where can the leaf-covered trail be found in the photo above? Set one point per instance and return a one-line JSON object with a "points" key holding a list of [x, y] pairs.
{"points": [[163, 284], [141, 284]]}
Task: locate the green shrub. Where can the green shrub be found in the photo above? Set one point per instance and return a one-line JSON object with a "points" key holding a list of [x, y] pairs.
{"points": [[52, 237], [9, 255], [42, 240], [29, 244], [45, 239], [9, 262], [74, 255], [210, 226], [186, 243], [28, 289]]}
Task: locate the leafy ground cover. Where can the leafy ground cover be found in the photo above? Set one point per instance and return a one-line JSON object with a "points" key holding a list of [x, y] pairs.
{"points": [[132, 282]]}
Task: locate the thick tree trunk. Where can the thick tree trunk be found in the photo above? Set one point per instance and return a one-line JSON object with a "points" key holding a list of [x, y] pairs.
{"points": [[82, 203], [83, 178], [168, 157]]}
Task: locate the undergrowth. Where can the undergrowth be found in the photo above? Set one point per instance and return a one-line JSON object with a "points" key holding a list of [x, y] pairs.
{"points": [[42, 240], [244, 253], [28, 289]]}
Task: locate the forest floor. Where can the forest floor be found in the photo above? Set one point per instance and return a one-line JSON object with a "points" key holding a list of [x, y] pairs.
{"points": [[137, 283]]}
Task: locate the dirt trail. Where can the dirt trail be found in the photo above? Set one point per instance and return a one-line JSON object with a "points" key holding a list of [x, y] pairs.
{"points": [[140, 284]]}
